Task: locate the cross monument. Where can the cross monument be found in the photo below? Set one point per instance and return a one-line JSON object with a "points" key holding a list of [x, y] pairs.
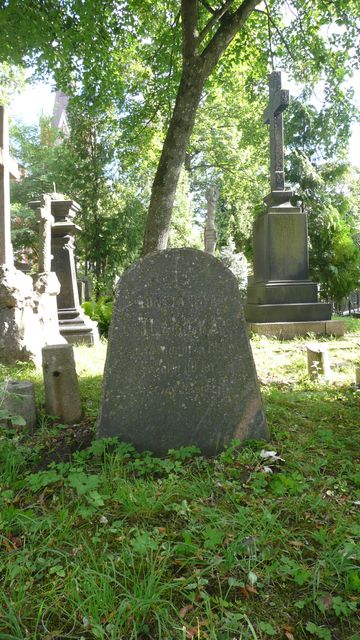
{"points": [[278, 102], [8, 167]]}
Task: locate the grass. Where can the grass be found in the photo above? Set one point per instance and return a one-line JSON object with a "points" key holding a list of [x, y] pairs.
{"points": [[110, 544]]}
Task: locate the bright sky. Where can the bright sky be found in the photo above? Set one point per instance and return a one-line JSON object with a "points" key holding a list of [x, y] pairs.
{"points": [[38, 99]]}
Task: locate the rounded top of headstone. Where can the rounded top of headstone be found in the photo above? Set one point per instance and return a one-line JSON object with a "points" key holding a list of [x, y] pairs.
{"points": [[181, 267]]}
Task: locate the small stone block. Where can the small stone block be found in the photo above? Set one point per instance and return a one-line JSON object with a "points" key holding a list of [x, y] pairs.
{"points": [[318, 360], [62, 396], [18, 399]]}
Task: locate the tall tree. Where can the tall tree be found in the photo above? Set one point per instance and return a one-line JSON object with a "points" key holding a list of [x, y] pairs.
{"points": [[153, 61], [326, 187]]}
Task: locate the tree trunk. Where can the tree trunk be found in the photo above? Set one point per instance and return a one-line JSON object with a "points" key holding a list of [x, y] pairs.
{"points": [[173, 156], [196, 69]]}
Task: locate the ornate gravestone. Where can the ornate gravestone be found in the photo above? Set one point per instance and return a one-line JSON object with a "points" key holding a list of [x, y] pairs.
{"points": [[281, 300], [74, 325], [179, 368]]}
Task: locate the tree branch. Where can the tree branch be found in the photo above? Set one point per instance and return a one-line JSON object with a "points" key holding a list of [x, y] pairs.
{"points": [[228, 29], [207, 6], [217, 15], [189, 18]]}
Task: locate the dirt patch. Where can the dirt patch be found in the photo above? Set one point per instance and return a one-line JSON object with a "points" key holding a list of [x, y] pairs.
{"points": [[61, 442]]}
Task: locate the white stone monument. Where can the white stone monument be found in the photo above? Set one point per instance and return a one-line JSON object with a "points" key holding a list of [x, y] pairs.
{"points": [[19, 327], [28, 311]]}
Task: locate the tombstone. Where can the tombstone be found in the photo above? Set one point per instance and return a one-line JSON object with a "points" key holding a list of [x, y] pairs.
{"points": [[280, 291], [210, 234], [74, 325], [46, 283], [179, 369], [20, 334]]}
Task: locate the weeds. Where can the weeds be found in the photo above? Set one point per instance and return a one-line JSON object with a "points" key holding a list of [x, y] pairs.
{"points": [[260, 542]]}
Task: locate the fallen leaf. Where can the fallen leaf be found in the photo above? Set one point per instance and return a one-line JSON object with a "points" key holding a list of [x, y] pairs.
{"points": [[191, 632], [251, 589], [289, 635], [296, 543], [184, 610]]}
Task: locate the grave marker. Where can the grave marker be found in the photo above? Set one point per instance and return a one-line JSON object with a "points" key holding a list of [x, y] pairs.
{"points": [[179, 368], [281, 298]]}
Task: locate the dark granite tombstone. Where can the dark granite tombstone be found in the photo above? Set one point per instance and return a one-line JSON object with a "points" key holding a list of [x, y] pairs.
{"points": [[179, 368], [280, 290]]}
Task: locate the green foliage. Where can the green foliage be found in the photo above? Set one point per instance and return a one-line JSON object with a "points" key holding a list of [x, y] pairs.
{"points": [[126, 70], [328, 190], [11, 81], [36, 150], [221, 547], [101, 311]]}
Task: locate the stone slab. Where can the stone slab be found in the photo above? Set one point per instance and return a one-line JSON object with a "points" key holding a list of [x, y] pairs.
{"points": [[296, 312], [289, 330], [281, 292], [179, 368]]}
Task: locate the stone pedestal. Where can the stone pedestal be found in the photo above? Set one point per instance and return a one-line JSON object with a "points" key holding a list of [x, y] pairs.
{"points": [[74, 325], [280, 290]]}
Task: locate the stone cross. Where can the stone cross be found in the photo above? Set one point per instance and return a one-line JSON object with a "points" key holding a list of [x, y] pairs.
{"points": [[278, 102], [8, 167], [46, 220]]}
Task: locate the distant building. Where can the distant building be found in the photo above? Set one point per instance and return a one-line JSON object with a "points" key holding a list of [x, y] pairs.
{"points": [[59, 118]]}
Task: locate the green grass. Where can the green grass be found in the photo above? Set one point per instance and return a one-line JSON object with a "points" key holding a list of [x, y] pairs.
{"points": [[115, 545]]}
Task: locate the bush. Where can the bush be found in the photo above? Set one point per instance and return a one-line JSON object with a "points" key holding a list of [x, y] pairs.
{"points": [[101, 311]]}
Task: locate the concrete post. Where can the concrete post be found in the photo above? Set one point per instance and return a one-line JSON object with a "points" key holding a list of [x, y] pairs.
{"points": [[62, 396]]}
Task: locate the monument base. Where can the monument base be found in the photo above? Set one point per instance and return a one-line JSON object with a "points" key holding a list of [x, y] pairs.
{"points": [[289, 330], [77, 328], [293, 312]]}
